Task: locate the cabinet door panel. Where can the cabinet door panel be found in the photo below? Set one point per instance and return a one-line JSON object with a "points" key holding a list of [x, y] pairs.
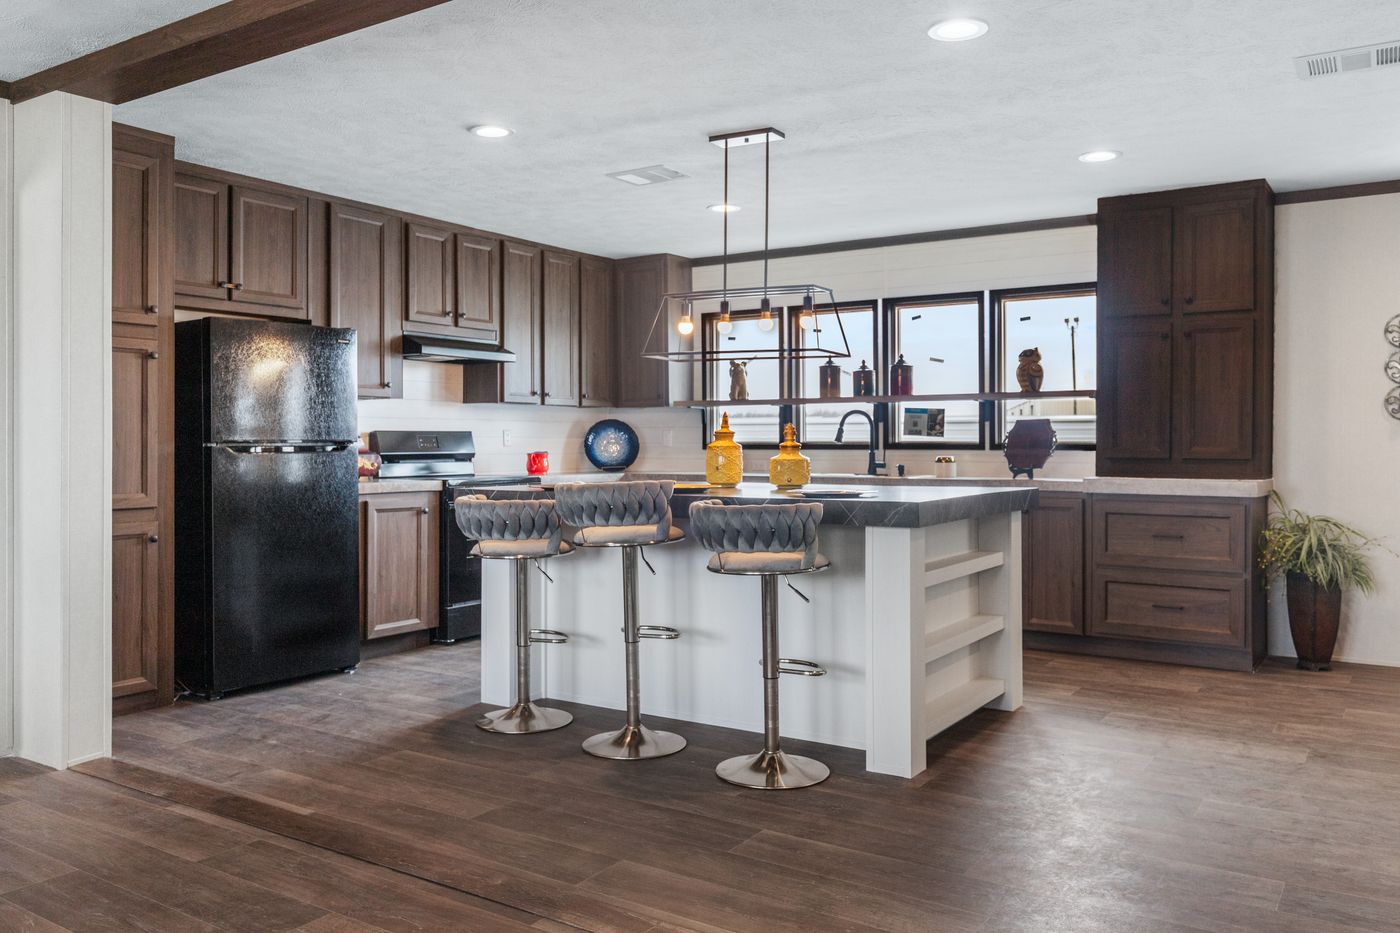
{"points": [[1135, 262], [1215, 256], [1171, 533], [136, 394], [135, 238], [365, 293], [401, 563], [479, 287], [201, 237], [432, 285], [1135, 391], [561, 335], [135, 608], [1054, 564], [1215, 383], [268, 248], [1182, 608], [596, 338], [521, 380]]}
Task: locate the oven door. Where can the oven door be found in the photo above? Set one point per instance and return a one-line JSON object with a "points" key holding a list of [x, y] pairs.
{"points": [[460, 576]]}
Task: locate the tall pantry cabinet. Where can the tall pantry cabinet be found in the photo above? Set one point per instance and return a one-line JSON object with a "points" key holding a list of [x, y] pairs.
{"points": [[142, 418]]}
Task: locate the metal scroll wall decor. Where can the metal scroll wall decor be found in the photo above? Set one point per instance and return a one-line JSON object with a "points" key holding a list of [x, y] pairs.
{"points": [[1392, 366]]}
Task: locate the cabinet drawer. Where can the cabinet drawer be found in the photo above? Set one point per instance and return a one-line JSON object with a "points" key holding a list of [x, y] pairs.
{"points": [[1170, 534], [1183, 608]]}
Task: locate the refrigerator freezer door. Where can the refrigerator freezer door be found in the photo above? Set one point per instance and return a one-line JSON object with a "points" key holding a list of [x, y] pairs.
{"points": [[284, 556], [280, 382]]}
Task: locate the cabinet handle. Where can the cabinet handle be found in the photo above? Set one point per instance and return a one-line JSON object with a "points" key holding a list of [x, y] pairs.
{"points": [[152, 355], [1191, 300], [1166, 301], [388, 384], [153, 539], [1169, 608], [1165, 336], [236, 286], [534, 392], [153, 309], [1171, 537], [546, 395]]}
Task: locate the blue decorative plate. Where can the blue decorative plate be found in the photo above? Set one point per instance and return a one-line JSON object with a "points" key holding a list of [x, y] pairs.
{"points": [[611, 445]]}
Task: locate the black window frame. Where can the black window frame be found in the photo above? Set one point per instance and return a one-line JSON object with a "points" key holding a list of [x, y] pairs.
{"points": [[890, 351], [708, 421], [996, 297], [794, 378]]}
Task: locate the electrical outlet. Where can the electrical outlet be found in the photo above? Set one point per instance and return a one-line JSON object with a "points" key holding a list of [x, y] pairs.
{"points": [[505, 437]]}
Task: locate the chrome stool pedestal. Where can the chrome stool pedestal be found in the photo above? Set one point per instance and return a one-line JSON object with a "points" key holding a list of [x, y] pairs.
{"points": [[768, 542], [628, 516], [525, 531]]}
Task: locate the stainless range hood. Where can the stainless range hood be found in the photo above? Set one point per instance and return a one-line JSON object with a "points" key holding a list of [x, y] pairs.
{"points": [[435, 348]]}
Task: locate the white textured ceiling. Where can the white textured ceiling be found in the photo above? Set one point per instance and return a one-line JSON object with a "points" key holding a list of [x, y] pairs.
{"points": [[37, 34], [888, 131]]}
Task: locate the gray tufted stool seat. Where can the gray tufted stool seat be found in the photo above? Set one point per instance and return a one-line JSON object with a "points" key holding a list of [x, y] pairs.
{"points": [[522, 530], [767, 541], [626, 515]]}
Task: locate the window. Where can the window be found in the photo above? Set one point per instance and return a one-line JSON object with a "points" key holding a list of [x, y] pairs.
{"points": [[752, 424], [817, 423], [940, 336], [1062, 324]]}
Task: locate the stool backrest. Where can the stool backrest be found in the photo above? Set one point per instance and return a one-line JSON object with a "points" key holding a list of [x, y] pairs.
{"points": [[749, 529], [483, 519], [601, 505]]}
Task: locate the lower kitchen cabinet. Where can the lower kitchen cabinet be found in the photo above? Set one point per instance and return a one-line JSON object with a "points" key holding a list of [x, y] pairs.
{"points": [[1161, 578], [138, 645], [398, 563]]}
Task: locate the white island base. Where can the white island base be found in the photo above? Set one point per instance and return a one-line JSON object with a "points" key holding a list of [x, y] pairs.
{"points": [[916, 627]]}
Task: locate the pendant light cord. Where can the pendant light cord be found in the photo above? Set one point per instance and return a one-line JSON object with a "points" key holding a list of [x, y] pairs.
{"points": [[766, 147], [725, 212]]}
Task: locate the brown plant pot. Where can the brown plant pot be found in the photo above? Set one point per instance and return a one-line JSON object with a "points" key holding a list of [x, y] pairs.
{"points": [[1314, 614]]}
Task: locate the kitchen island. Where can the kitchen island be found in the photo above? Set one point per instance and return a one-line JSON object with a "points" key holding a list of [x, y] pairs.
{"points": [[917, 622]]}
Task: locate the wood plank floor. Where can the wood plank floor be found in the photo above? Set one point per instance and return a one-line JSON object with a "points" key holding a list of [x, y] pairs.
{"points": [[1123, 797]]}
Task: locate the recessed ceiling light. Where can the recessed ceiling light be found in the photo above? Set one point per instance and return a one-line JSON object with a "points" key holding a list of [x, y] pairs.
{"points": [[1099, 155], [724, 208], [959, 29], [489, 132]]}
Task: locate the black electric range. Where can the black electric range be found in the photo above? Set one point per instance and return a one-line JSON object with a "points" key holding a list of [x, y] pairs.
{"points": [[448, 456]]}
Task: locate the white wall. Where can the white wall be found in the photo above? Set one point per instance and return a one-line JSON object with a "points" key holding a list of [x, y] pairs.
{"points": [[1013, 260], [7, 591], [1335, 449]]}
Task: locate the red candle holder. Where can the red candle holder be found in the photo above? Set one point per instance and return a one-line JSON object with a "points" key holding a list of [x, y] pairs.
{"points": [[537, 462]]}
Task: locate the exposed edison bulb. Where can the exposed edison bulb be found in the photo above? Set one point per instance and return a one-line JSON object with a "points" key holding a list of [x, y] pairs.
{"points": [[685, 326], [806, 320], [724, 325], [765, 316]]}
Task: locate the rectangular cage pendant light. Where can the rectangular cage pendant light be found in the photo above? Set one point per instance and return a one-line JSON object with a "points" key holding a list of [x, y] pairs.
{"points": [[777, 303]]}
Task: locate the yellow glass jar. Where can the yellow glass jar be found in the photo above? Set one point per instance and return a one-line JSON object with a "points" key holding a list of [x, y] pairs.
{"points": [[724, 458], [790, 468]]}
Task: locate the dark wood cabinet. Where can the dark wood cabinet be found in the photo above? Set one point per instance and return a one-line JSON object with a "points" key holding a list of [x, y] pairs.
{"points": [[1185, 354], [596, 335], [1160, 578], [240, 246], [479, 287], [137, 648], [521, 321], [366, 293], [399, 563], [641, 283], [1053, 565], [429, 275], [143, 254], [560, 333]]}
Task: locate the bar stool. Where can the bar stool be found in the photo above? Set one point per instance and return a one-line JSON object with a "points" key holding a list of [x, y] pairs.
{"points": [[522, 530], [628, 515], [766, 541]]}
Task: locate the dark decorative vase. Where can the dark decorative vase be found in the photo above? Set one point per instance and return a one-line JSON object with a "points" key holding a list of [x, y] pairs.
{"points": [[1314, 614]]}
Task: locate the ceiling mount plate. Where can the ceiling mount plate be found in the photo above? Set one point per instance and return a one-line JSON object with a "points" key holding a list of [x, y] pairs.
{"points": [[764, 134]]}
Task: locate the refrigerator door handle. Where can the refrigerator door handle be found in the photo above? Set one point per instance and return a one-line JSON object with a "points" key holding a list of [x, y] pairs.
{"points": [[264, 447]]}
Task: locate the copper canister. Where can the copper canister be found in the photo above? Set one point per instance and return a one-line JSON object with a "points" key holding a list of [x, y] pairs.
{"points": [[863, 380], [830, 379], [901, 377]]}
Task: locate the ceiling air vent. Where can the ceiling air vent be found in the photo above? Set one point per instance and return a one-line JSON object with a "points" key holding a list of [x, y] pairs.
{"points": [[1358, 59], [651, 175]]}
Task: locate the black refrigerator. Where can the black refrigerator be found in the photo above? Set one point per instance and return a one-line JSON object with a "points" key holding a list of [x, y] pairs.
{"points": [[266, 503]]}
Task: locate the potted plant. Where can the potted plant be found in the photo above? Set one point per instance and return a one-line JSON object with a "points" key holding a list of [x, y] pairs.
{"points": [[1319, 557]]}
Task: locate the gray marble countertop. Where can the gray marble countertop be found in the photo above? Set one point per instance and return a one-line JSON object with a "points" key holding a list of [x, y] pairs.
{"points": [[380, 486], [884, 506]]}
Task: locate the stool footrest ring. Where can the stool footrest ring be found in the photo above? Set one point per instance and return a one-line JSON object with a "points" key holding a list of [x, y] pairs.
{"points": [[547, 636], [657, 631], [798, 666]]}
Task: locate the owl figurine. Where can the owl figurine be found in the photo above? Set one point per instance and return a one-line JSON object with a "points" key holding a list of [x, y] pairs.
{"points": [[1029, 374]]}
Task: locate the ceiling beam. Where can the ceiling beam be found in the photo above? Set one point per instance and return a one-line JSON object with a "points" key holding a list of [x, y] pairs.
{"points": [[220, 39], [4, 90]]}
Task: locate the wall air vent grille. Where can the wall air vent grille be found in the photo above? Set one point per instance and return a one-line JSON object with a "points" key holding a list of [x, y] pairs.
{"points": [[650, 175], [1358, 59]]}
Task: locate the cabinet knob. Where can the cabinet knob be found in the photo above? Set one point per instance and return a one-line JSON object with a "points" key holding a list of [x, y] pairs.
{"points": [[152, 355], [388, 384], [534, 392], [546, 395], [153, 309], [154, 539], [1191, 300], [425, 510], [1166, 301], [1165, 336]]}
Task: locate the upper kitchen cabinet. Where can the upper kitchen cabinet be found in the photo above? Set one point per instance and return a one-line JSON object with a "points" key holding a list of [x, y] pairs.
{"points": [[142, 170], [641, 283], [240, 245], [597, 335], [1185, 356], [452, 282], [521, 322], [366, 292], [560, 333], [429, 276], [478, 271]]}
